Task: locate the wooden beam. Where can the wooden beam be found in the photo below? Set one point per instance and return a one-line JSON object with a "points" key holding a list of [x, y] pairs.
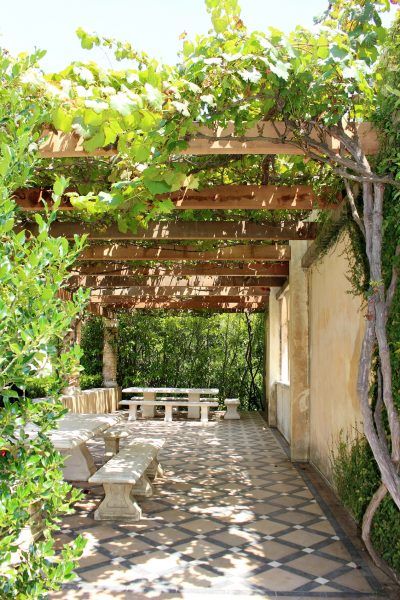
{"points": [[182, 271], [170, 302], [272, 252], [221, 197], [107, 281], [111, 311], [249, 197], [143, 292], [193, 230], [264, 138]]}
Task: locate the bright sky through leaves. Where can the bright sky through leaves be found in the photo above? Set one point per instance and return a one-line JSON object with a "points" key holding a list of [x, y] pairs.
{"points": [[150, 25]]}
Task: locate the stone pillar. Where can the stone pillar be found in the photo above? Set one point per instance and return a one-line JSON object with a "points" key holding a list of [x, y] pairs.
{"points": [[78, 331], [110, 353], [299, 354], [272, 355], [71, 338]]}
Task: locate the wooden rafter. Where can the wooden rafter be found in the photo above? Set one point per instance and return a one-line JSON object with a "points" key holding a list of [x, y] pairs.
{"points": [[170, 302], [264, 138], [111, 311], [272, 252], [107, 281], [148, 291], [223, 197], [236, 269], [193, 230]]}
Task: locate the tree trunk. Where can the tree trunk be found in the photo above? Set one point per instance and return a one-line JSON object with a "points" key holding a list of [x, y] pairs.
{"points": [[376, 320], [366, 532]]}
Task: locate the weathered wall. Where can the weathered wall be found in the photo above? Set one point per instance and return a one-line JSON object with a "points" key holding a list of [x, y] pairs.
{"points": [[283, 413], [272, 355], [336, 330]]}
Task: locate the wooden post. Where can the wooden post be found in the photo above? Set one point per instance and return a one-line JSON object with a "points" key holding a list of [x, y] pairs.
{"points": [[109, 353]]}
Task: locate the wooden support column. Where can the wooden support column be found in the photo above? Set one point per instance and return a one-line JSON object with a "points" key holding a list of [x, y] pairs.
{"points": [[110, 353], [272, 355], [299, 355]]}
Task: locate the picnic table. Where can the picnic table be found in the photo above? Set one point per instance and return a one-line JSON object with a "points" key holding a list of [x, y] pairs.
{"points": [[193, 396], [71, 437]]}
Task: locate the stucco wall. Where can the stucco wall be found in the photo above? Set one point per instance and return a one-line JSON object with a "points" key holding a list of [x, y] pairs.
{"points": [[336, 329]]}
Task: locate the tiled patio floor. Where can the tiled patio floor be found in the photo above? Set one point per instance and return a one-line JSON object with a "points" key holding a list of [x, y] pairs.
{"points": [[231, 517]]}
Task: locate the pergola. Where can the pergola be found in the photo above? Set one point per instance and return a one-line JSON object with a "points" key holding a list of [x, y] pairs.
{"points": [[228, 277]]}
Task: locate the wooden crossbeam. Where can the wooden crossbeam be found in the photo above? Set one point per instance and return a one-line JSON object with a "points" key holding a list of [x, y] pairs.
{"points": [[249, 197], [264, 138], [236, 269], [148, 291], [169, 302], [193, 230], [222, 197], [109, 252], [111, 311], [107, 281]]}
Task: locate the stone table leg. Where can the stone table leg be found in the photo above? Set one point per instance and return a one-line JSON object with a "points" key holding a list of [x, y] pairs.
{"points": [[143, 487], [154, 470], [168, 413], [193, 411], [204, 414], [118, 504], [79, 465], [148, 411], [111, 447], [132, 413]]}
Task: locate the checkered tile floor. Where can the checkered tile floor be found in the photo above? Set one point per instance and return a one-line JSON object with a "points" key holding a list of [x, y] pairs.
{"points": [[231, 517]]}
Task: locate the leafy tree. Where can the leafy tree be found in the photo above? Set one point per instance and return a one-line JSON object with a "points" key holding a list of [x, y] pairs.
{"points": [[33, 322], [194, 350]]}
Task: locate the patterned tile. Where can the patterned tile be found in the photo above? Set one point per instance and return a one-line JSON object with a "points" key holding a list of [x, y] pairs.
{"points": [[232, 516]]}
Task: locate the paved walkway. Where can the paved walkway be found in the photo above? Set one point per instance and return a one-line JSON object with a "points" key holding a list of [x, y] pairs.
{"points": [[232, 517]]}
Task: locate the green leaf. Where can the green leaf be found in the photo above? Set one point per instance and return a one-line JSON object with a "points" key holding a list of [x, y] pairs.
{"points": [[156, 187], [62, 119], [5, 159], [280, 69], [97, 141]]}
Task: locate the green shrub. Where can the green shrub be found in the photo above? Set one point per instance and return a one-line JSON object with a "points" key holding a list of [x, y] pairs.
{"points": [[39, 387], [92, 346], [88, 382], [355, 474], [356, 478], [34, 321]]}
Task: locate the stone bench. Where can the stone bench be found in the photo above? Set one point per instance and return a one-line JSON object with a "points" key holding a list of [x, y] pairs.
{"points": [[232, 405], [204, 404], [113, 435], [124, 477]]}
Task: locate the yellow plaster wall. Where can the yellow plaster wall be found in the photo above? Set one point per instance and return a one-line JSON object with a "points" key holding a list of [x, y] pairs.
{"points": [[336, 330]]}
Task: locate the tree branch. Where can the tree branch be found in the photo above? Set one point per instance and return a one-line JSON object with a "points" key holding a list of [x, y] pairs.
{"points": [[394, 281], [353, 207]]}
